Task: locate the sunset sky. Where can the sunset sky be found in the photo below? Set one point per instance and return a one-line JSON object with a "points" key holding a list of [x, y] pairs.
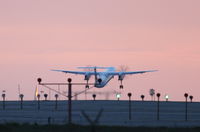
{"points": [[37, 36]]}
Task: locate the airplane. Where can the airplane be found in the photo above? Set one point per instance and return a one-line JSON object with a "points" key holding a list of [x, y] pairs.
{"points": [[102, 78]]}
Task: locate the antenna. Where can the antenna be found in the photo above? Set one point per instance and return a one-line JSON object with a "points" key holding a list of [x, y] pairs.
{"points": [[95, 72], [19, 92]]}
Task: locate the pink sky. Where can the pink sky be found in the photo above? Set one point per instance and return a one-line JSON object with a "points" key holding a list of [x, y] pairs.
{"points": [[37, 36]]}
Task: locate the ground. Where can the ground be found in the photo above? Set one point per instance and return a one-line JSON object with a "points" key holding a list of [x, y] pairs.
{"points": [[13, 127]]}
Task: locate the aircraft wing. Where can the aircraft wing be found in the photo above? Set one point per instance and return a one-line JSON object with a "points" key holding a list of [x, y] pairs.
{"points": [[130, 73], [72, 72], [77, 72]]}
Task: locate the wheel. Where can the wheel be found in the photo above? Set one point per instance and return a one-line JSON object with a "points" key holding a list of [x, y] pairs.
{"points": [[121, 87], [87, 86]]}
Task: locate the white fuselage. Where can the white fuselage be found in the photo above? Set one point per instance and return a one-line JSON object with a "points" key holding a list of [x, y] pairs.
{"points": [[105, 77]]}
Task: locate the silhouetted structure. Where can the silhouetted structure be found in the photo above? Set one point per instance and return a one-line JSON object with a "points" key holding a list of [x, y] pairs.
{"points": [[56, 106], [69, 101], [191, 98], [69, 93], [158, 106], [152, 93], [129, 96], [38, 97], [21, 96], [95, 122], [45, 96], [186, 96], [142, 97], [94, 96], [3, 96]]}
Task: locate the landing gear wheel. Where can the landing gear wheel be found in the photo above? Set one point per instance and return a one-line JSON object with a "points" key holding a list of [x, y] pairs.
{"points": [[121, 86], [87, 86]]}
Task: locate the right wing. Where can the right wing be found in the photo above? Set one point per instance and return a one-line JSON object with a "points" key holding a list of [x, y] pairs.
{"points": [[130, 73]]}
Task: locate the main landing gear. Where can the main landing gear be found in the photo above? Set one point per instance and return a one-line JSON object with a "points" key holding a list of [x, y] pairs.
{"points": [[87, 86], [121, 86]]}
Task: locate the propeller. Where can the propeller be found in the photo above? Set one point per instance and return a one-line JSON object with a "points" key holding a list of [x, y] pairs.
{"points": [[123, 68], [95, 74], [88, 68]]}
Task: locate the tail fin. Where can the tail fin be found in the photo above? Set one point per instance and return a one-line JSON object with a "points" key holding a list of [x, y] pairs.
{"points": [[94, 67]]}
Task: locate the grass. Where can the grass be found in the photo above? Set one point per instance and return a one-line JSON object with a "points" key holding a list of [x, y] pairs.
{"points": [[13, 127]]}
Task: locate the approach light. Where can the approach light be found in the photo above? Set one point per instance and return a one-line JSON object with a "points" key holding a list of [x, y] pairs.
{"points": [[158, 95], [129, 95], [186, 95], [118, 95], [39, 80], [166, 97], [69, 80]]}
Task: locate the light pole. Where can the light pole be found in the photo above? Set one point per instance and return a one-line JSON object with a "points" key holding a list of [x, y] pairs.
{"points": [[56, 106], [166, 97], [69, 100], [158, 106], [191, 98], [94, 96], [38, 97], [118, 95], [186, 96], [3, 96], [129, 96], [21, 98], [142, 97], [45, 96]]}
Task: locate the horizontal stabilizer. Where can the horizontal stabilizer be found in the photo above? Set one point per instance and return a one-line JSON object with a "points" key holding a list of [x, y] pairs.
{"points": [[93, 67]]}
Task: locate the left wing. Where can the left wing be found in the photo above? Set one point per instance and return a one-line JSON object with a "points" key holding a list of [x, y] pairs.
{"points": [[130, 73], [72, 72], [78, 72]]}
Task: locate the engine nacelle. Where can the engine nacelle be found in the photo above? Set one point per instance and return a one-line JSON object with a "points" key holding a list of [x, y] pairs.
{"points": [[121, 77], [87, 77]]}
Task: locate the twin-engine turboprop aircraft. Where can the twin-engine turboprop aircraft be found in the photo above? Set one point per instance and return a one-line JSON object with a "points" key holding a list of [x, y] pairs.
{"points": [[102, 78]]}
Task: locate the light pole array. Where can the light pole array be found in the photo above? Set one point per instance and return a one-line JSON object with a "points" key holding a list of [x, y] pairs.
{"points": [[69, 96]]}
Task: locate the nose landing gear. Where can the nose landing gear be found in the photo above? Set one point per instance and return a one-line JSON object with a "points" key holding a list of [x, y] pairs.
{"points": [[121, 86]]}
